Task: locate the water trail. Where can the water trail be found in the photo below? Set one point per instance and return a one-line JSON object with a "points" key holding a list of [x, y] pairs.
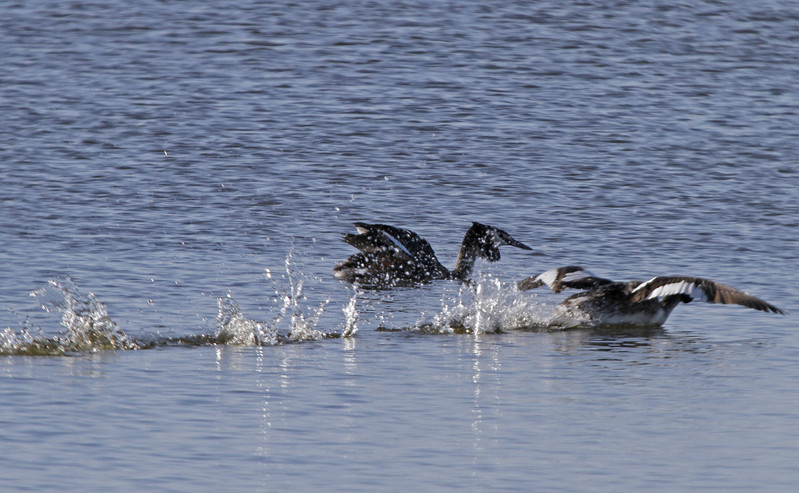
{"points": [[89, 328]]}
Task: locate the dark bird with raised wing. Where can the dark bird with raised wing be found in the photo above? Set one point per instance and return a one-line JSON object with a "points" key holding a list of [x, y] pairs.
{"points": [[391, 256]]}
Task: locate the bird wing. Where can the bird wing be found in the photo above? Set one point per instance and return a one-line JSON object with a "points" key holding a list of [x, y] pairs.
{"points": [[390, 240], [571, 276], [699, 289]]}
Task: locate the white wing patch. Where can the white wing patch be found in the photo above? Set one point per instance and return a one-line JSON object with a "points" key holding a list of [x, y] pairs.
{"points": [[577, 275], [689, 288], [549, 277], [552, 276]]}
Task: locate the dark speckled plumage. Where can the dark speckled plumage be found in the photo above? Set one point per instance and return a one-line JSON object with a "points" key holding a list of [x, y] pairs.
{"points": [[391, 256]]}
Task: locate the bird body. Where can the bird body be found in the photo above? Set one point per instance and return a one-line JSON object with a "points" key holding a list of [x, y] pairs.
{"points": [[605, 302], [392, 256]]}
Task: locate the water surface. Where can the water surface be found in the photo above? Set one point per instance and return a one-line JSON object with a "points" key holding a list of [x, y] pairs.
{"points": [[177, 178]]}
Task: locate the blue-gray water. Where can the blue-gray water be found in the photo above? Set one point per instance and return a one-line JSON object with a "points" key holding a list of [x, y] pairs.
{"points": [[179, 174]]}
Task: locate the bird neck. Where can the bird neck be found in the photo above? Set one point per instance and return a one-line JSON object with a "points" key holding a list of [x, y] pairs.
{"points": [[467, 255], [464, 265], [669, 303]]}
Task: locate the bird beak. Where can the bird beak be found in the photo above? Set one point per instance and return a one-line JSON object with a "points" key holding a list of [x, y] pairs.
{"points": [[506, 239], [518, 244]]}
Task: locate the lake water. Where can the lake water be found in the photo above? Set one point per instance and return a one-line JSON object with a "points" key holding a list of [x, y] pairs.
{"points": [[177, 177]]}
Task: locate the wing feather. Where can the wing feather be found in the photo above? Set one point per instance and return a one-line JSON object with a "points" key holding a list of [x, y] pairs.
{"points": [[570, 276], [379, 239], [699, 289]]}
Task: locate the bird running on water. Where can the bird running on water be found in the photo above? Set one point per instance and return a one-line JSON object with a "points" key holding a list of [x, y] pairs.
{"points": [[605, 302]]}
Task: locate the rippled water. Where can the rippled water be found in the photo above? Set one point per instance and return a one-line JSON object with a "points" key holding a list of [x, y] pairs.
{"points": [[177, 178]]}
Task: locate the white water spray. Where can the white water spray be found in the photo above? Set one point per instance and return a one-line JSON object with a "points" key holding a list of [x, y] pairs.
{"points": [[486, 305]]}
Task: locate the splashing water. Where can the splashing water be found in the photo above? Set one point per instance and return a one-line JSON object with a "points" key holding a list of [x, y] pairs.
{"points": [[295, 317], [28, 342], [89, 328], [294, 304], [236, 329], [482, 306], [86, 320], [350, 316], [487, 306]]}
